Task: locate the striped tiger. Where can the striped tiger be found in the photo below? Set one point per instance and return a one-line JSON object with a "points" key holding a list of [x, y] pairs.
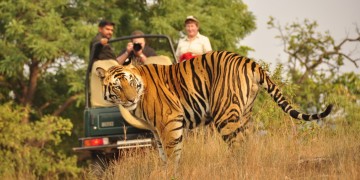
{"points": [[218, 87]]}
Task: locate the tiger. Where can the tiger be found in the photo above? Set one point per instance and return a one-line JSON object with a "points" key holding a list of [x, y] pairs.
{"points": [[219, 87]]}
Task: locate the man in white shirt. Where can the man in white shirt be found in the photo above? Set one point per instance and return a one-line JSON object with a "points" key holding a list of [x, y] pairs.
{"points": [[194, 43]]}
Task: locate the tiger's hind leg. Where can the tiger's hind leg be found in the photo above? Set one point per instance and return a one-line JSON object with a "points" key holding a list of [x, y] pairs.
{"points": [[234, 125], [233, 130]]}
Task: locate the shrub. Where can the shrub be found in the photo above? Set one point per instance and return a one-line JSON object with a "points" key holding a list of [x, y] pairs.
{"points": [[31, 150]]}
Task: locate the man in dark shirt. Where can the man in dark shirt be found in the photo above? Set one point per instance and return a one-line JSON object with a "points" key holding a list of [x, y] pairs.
{"points": [[103, 50], [136, 51]]}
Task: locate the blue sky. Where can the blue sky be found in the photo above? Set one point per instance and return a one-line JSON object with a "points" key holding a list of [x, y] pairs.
{"points": [[336, 16]]}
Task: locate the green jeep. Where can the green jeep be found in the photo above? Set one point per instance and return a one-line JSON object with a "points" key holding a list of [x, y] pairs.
{"points": [[106, 130]]}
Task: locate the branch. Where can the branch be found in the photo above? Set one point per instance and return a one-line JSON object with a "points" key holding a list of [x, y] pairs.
{"points": [[46, 64], [45, 105], [65, 105], [304, 76], [351, 59], [331, 65], [4, 84], [282, 36], [345, 40]]}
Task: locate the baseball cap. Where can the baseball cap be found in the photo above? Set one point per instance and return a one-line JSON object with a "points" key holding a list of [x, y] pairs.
{"points": [[191, 18]]}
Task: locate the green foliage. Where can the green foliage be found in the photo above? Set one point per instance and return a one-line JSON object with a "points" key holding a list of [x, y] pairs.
{"points": [[314, 60], [346, 96], [68, 81], [33, 149], [38, 39], [312, 54], [351, 82]]}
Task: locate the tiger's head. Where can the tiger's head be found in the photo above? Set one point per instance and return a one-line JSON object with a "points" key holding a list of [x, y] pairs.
{"points": [[121, 85]]}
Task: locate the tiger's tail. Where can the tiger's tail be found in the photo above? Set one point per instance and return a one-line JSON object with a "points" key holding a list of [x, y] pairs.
{"points": [[264, 80]]}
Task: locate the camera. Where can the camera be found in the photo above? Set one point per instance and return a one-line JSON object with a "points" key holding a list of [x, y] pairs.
{"points": [[137, 47]]}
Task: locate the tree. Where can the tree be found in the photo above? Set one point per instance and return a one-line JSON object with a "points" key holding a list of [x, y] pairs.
{"points": [[39, 39], [313, 64], [313, 50]]}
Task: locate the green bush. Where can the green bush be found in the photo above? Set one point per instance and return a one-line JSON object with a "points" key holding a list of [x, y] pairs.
{"points": [[311, 96], [31, 150]]}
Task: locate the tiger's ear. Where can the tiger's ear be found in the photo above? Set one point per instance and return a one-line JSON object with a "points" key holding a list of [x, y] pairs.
{"points": [[100, 72]]}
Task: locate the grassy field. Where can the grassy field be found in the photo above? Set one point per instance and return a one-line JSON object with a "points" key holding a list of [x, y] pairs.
{"points": [[284, 153]]}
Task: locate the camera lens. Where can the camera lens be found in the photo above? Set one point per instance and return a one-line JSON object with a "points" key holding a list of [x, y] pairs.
{"points": [[137, 47]]}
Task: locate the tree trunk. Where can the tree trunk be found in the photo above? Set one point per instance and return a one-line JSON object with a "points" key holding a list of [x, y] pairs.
{"points": [[30, 89], [34, 74]]}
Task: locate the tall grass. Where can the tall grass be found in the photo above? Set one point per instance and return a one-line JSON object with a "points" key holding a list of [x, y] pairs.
{"points": [[280, 154]]}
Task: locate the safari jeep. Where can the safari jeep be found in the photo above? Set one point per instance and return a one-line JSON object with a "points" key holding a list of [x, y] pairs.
{"points": [[106, 129]]}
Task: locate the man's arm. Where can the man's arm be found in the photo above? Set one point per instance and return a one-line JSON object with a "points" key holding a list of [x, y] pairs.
{"points": [[123, 56], [97, 47]]}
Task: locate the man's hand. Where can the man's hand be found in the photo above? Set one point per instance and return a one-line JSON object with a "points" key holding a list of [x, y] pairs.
{"points": [[104, 41], [129, 47]]}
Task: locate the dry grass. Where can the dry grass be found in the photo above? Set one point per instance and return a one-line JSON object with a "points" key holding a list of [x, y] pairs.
{"points": [[276, 155]]}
